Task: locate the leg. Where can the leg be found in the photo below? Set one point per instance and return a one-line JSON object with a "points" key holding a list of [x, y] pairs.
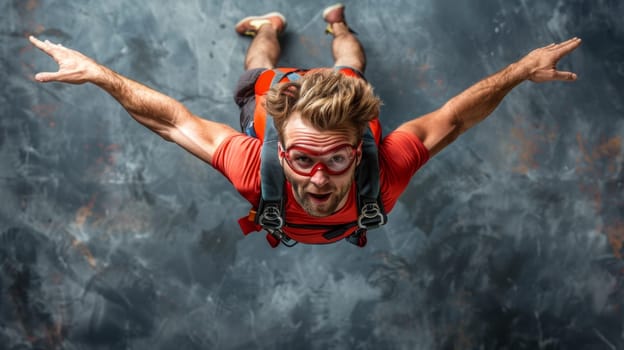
{"points": [[264, 50], [262, 54], [245, 98], [346, 48]]}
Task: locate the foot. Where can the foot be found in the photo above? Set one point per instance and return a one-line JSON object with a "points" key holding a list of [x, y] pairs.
{"points": [[334, 14], [250, 25]]}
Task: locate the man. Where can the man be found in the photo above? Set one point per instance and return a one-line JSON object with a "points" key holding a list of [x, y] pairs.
{"points": [[320, 120]]}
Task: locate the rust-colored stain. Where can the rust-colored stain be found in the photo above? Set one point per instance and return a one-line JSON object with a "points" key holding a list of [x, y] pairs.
{"points": [[529, 141], [595, 162], [32, 4], [615, 235], [109, 151], [84, 212], [590, 161], [584, 161], [599, 162], [84, 250], [609, 150], [602, 162], [46, 111], [525, 144], [82, 215], [426, 79]]}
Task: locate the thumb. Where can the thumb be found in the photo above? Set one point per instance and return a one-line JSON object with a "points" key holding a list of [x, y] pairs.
{"points": [[563, 75], [45, 77]]}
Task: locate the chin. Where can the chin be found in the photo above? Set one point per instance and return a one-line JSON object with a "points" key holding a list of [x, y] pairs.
{"points": [[316, 214]]}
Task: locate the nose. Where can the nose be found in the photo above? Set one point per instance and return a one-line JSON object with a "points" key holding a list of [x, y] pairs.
{"points": [[320, 178]]}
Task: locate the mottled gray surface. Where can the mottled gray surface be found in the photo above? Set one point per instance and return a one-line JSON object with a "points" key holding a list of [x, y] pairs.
{"points": [[111, 238]]}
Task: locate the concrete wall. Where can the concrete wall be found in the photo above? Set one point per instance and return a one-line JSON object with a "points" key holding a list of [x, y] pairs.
{"points": [[510, 238]]}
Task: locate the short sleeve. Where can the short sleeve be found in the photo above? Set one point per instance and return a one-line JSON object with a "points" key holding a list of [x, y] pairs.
{"points": [[238, 159], [401, 154]]}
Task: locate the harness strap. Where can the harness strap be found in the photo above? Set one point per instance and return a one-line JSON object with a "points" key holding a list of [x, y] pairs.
{"points": [[271, 214], [370, 205]]}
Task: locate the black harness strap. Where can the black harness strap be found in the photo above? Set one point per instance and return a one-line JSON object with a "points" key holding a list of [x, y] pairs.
{"points": [[271, 214], [370, 206]]}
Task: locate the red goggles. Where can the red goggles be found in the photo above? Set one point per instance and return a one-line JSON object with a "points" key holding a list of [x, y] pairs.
{"points": [[307, 162]]}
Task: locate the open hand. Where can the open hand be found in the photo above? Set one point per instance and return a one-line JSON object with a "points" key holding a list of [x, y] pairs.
{"points": [[74, 67], [542, 62]]}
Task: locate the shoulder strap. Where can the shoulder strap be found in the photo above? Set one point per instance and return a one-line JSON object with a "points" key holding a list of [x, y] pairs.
{"points": [[370, 206], [271, 214]]}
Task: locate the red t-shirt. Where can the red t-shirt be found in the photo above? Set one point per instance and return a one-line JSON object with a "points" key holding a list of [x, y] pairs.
{"points": [[401, 154]]}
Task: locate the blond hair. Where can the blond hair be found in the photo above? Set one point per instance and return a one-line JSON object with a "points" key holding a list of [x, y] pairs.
{"points": [[326, 99]]}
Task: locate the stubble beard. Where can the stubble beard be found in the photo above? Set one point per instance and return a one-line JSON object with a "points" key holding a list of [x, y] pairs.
{"points": [[322, 210]]}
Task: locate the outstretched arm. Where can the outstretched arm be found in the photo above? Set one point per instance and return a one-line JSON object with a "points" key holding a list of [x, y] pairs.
{"points": [[158, 112], [441, 127]]}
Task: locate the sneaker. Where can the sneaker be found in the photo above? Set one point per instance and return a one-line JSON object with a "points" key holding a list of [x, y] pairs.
{"points": [[249, 25], [334, 14]]}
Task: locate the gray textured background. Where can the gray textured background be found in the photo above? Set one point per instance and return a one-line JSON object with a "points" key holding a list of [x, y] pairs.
{"points": [[111, 238]]}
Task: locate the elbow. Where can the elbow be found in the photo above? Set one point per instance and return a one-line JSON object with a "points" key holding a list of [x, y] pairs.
{"points": [[175, 128], [446, 131], [443, 142], [171, 134]]}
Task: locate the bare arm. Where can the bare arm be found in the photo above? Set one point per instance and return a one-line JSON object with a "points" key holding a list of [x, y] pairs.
{"points": [[440, 128], [158, 112]]}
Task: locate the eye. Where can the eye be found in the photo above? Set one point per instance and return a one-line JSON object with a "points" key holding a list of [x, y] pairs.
{"points": [[302, 160], [341, 157], [338, 159]]}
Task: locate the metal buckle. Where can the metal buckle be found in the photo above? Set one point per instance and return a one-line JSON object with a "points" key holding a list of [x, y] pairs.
{"points": [[371, 213], [271, 218]]}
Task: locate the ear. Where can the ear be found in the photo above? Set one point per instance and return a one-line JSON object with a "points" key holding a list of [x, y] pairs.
{"points": [[358, 155]]}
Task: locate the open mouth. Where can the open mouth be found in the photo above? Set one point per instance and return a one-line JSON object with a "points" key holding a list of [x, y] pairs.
{"points": [[320, 197]]}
